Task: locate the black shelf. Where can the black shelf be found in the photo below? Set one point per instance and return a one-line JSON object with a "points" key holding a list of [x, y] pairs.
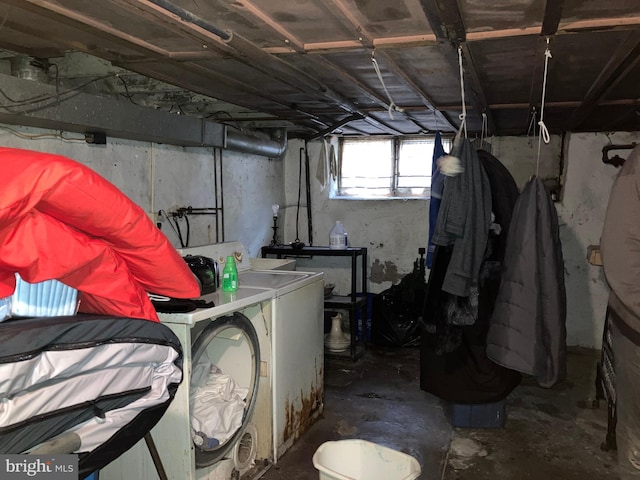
{"points": [[343, 301]]}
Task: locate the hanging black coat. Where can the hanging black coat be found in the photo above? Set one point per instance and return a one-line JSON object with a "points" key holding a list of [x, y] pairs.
{"points": [[453, 361]]}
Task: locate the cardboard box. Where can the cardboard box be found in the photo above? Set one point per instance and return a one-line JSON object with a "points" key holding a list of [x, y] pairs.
{"points": [[593, 255]]}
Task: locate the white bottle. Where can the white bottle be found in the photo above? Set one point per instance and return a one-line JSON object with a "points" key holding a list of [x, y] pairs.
{"points": [[338, 237]]}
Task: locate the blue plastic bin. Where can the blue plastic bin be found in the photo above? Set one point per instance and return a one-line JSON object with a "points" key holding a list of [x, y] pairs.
{"points": [[478, 415]]}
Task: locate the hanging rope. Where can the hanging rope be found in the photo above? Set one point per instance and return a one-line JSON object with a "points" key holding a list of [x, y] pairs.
{"points": [[484, 129], [532, 123], [544, 133], [392, 105], [463, 115]]}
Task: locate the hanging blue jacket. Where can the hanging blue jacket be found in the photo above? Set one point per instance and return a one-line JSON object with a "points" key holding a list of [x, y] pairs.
{"points": [[437, 187]]}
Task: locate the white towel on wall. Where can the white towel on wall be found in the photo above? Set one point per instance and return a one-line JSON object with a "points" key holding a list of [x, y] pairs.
{"points": [[321, 172]]}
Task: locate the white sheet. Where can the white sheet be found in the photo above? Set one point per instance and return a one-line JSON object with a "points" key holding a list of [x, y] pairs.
{"points": [[217, 403], [55, 380]]}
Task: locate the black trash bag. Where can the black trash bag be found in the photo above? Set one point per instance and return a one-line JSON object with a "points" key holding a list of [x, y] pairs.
{"points": [[396, 319]]}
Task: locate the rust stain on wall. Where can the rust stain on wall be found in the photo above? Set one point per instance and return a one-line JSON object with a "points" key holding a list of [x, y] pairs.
{"points": [[384, 273]]}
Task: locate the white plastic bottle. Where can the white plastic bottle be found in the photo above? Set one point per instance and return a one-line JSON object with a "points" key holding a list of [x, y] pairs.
{"points": [[338, 237]]}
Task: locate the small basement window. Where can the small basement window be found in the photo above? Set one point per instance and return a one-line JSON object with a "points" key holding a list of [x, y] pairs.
{"points": [[386, 167]]}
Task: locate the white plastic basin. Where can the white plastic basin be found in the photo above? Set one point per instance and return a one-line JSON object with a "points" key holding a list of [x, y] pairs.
{"points": [[362, 460]]}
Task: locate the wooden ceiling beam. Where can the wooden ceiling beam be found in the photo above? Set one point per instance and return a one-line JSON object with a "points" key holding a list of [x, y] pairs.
{"points": [[552, 16], [599, 24], [535, 89], [423, 40], [250, 11], [429, 103], [550, 22], [429, 39], [337, 71], [212, 79], [476, 86], [376, 122], [373, 96], [630, 117], [40, 52], [368, 41], [254, 13], [263, 61], [77, 20], [502, 34], [246, 52], [525, 106], [622, 62], [446, 22], [73, 18]]}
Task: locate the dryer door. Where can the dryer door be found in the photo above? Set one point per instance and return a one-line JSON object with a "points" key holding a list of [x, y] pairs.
{"points": [[227, 347]]}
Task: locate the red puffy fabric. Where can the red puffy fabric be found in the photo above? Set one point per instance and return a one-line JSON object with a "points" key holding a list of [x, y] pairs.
{"points": [[60, 219]]}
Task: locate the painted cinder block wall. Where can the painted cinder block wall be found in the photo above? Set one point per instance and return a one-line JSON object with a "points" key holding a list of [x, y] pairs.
{"points": [[161, 176], [393, 231], [164, 176]]}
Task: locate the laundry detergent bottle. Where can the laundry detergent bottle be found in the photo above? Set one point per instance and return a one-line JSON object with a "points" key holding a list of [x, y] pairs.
{"points": [[338, 237], [230, 276]]}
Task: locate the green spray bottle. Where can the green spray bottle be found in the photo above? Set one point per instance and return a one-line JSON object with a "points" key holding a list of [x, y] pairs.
{"points": [[230, 275]]}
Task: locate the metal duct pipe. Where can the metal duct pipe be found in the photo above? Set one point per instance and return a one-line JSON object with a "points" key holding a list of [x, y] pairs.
{"points": [[29, 68], [82, 112], [273, 148]]}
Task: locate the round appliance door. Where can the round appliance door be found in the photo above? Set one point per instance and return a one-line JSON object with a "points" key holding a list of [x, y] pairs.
{"points": [[230, 345]]}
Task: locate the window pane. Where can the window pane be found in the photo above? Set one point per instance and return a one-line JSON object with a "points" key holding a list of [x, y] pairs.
{"points": [[372, 168], [414, 163], [366, 167]]}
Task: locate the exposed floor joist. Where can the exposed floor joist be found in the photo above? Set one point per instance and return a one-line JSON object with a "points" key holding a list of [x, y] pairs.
{"points": [[550, 23], [622, 62], [311, 63], [339, 10], [251, 11], [446, 21]]}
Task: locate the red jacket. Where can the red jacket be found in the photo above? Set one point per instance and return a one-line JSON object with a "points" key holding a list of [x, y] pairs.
{"points": [[61, 220]]}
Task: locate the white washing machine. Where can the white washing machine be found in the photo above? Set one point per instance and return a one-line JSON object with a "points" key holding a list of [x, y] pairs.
{"points": [[297, 346]]}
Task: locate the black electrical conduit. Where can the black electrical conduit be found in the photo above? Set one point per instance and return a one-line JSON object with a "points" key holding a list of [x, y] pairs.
{"points": [[308, 188], [189, 17]]}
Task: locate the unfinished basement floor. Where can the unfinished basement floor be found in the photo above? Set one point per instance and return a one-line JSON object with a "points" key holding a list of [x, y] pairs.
{"points": [[549, 433]]}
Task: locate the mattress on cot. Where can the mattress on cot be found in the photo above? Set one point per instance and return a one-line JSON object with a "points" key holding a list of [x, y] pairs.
{"points": [[107, 379]]}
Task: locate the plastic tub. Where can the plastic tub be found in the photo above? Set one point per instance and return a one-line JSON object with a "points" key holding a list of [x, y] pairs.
{"points": [[478, 415], [362, 460]]}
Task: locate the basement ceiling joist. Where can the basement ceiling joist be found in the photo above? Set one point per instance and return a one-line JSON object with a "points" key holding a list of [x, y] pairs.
{"points": [[310, 66]]}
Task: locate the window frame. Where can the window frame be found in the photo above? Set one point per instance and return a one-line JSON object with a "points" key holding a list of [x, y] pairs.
{"points": [[394, 192]]}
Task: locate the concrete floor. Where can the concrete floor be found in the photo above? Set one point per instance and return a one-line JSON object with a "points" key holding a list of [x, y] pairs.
{"points": [[549, 434]]}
